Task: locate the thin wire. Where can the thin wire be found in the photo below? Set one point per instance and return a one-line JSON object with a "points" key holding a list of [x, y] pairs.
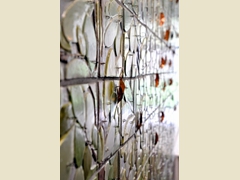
{"points": [[90, 80]]}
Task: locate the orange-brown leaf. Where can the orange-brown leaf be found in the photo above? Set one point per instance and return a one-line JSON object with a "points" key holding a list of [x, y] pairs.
{"points": [[162, 116], [162, 19], [157, 80], [167, 33], [121, 90], [163, 62], [119, 94], [122, 85]]}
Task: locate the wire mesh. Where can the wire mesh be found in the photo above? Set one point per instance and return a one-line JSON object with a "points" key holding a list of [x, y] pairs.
{"points": [[118, 78]]}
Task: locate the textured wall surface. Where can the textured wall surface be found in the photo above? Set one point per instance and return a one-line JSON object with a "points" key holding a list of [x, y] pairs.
{"points": [[118, 87]]}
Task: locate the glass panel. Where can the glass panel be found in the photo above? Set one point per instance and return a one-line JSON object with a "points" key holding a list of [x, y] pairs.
{"points": [[110, 33], [77, 68], [72, 17], [79, 174], [66, 118], [89, 34], [64, 97], [79, 145], [77, 98], [66, 155], [90, 114]]}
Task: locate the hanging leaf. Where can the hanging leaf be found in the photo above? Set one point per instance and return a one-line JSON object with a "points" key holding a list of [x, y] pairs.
{"points": [[110, 69], [169, 63], [120, 94], [156, 138], [162, 116], [157, 80], [90, 113], [162, 18], [175, 108], [79, 145], [163, 62], [79, 174], [110, 33], [122, 85], [167, 33], [64, 137], [121, 90], [77, 68], [78, 103], [173, 51], [139, 123], [164, 86], [100, 150], [95, 136], [170, 81], [82, 46], [66, 118], [87, 161], [67, 154]]}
